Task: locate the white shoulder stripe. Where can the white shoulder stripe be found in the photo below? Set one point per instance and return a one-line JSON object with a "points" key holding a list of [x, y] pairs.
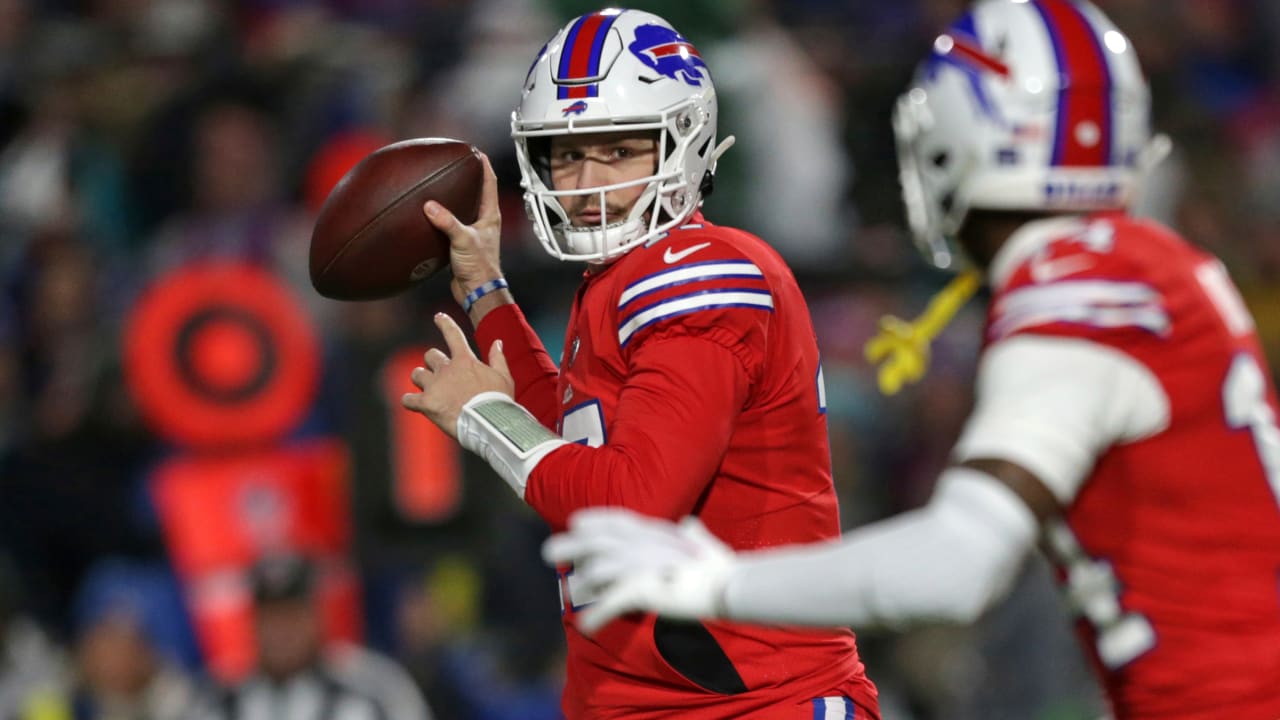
{"points": [[1082, 292], [690, 303], [710, 270], [1098, 303]]}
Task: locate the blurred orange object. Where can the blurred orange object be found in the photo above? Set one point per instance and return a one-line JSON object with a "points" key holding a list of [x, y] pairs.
{"points": [[337, 156], [426, 463], [221, 355], [220, 513]]}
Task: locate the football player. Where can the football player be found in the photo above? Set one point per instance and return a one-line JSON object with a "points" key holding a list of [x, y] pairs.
{"points": [[689, 381], [1124, 419]]}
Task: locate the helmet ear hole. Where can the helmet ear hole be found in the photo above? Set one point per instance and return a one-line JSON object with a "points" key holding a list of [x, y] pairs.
{"points": [[707, 185], [708, 182], [948, 201], [540, 157], [940, 159]]}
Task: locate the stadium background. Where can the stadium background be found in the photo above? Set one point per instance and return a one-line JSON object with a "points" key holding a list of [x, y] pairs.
{"points": [[139, 136]]}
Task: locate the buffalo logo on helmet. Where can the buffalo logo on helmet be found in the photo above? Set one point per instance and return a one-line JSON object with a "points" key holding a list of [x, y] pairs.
{"points": [[664, 50], [576, 109]]}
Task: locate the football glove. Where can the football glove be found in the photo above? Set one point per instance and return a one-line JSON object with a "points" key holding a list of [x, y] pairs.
{"points": [[635, 563]]}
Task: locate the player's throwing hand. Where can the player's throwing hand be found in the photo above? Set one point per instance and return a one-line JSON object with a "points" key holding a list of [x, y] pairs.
{"points": [[473, 249], [449, 381], [632, 562]]}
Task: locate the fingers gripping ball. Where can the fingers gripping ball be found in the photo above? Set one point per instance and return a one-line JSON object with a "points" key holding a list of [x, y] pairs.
{"points": [[371, 239]]}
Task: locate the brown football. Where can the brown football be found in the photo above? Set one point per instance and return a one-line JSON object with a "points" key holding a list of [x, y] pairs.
{"points": [[371, 239]]}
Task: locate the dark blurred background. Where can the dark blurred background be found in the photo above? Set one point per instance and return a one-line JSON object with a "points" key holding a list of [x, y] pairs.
{"points": [[138, 137]]}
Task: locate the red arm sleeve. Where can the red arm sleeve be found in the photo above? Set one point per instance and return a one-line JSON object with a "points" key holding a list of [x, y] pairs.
{"points": [[674, 419], [531, 366]]}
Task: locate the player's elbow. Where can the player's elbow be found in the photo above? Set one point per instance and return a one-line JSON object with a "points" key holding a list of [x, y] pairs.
{"points": [[959, 590], [639, 486], [966, 602], [980, 569]]}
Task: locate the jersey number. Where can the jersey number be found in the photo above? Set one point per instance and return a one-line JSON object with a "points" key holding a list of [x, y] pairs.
{"points": [[584, 425], [1244, 400], [1092, 586], [1244, 393]]}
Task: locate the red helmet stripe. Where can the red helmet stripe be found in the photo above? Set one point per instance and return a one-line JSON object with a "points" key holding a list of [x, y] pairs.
{"points": [[1083, 134], [580, 53]]}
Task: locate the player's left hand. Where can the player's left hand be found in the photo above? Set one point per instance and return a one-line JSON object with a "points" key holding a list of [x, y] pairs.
{"points": [[448, 381], [631, 562]]}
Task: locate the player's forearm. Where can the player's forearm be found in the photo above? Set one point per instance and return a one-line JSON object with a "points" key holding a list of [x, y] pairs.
{"points": [[947, 561], [531, 366], [575, 477]]}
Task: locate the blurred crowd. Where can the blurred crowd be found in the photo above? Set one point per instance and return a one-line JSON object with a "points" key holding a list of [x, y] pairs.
{"points": [[139, 136]]}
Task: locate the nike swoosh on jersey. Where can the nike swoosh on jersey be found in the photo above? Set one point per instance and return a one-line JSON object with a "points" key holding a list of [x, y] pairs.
{"points": [[674, 257], [1043, 271]]}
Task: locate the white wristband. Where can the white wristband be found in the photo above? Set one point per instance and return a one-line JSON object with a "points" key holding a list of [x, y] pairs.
{"points": [[506, 435]]}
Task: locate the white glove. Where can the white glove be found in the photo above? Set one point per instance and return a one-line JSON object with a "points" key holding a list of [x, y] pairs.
{"points": [[632, 562]]}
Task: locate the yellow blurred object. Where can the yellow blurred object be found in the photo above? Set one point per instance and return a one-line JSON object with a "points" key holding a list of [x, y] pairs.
{"points": [[901, 348], [46, 705], [455, 588]]}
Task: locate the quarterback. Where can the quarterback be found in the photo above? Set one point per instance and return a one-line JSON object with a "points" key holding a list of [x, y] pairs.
{"points": [[1124, 419], [689, 381]]}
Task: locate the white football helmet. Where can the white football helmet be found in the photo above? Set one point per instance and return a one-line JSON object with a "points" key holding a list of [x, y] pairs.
{"points": [[611, 71], [1022, 105]]}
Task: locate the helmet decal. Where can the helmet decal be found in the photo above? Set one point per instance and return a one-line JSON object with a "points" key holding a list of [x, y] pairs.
{"points": [[959, 48], [1082, 136], [668, 53], [580, 59]]}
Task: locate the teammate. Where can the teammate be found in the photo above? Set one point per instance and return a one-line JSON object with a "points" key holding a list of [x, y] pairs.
{"points": [[689, 384], [1123, 420]]}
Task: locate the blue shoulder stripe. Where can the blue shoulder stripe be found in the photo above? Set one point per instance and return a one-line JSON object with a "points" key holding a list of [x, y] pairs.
{"points": [[693, 272], [693, 302]]}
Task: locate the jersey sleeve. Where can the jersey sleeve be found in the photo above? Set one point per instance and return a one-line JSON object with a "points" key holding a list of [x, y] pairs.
{"points": [[717, 293], [671, 428], [531, 366]]}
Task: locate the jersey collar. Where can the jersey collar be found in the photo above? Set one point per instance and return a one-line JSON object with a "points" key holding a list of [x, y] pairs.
{"points": [[1027, 240]]}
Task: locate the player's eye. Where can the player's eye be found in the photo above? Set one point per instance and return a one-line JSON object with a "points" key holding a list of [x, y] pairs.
{"points": [[567, 156]]}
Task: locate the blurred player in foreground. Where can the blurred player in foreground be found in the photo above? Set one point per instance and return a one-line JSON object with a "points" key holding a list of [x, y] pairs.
{"points": [[689, 384], [1123, 420]]}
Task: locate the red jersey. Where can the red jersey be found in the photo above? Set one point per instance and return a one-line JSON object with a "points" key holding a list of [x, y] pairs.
{"points": [[691, 382], [1171, 547]]}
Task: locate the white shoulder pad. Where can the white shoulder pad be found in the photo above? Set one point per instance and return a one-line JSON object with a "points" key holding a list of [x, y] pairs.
{"points": [[1053, 405]]}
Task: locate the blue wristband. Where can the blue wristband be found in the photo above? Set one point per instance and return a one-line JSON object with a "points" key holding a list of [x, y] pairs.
{"points": [[481, 291]]}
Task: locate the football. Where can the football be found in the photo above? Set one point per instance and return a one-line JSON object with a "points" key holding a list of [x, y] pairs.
{"points": [[371, 239]]}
